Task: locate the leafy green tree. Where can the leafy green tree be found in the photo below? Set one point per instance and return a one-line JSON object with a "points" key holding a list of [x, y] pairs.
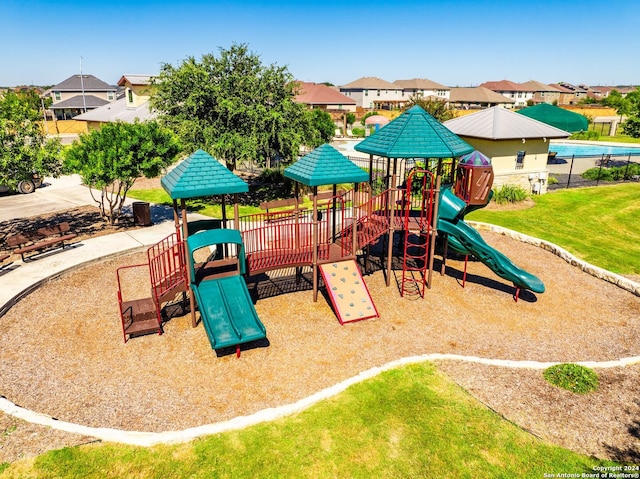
{"points": [[111, 158], [233, 107], [323, 126], [24, 148], [439, 109], [351, 118], [632, 125]]}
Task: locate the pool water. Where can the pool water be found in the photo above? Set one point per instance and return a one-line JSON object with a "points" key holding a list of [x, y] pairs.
{"points": [[567, 150]]}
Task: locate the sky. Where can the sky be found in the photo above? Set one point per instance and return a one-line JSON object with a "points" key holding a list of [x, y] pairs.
{"points": [[455, 43]]}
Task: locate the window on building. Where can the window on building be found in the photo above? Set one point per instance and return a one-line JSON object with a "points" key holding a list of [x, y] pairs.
{"points": [[366, 93], [378, 92], [110, 95], [130, 96], [57, 96], [520, 159]]}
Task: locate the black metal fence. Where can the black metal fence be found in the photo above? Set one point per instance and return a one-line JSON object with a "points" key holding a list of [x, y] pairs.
{"points": [[569, 171]]}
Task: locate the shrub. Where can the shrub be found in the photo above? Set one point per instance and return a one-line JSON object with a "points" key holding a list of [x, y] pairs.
{"points": [[585, 135], [552, 180], [509, 194], [359, 132], [572, 377], [615, 173]]}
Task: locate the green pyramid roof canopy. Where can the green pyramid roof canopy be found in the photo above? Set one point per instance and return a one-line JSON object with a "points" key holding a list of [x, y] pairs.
{"points": [[201, 175], [415, 134], [559, 117], [325, 166]]}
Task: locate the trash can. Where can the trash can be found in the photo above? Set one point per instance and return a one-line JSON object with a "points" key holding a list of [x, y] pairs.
{"points": [[141, 213]]}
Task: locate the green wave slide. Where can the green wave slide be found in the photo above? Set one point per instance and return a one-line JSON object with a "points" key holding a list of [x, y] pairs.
{"points": [[226, 309], [466, 240]]}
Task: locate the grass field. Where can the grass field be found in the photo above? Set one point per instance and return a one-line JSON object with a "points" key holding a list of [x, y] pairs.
{"points": [[598, 224], [409, 422]]}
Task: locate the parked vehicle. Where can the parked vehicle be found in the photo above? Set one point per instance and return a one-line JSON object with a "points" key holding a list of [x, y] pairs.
{"points": [[26, 185]]}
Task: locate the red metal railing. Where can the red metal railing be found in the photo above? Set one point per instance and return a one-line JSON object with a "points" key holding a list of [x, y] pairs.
{"points": [[167, 268]]}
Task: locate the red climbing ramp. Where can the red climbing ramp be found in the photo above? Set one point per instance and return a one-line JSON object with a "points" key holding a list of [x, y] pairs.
{"points": [[348, 292]]}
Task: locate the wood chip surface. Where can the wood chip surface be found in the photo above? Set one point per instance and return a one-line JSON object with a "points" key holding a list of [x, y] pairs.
{"points": [[63, 353]]}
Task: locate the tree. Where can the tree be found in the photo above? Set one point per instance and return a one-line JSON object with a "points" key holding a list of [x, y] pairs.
{"points": [[439, 109], [632, 108], [233, 107], [24, 148], [323, 126], [111, 158]]}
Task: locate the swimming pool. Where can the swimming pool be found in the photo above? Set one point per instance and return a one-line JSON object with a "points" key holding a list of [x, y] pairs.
{"points": [[567, 150]]}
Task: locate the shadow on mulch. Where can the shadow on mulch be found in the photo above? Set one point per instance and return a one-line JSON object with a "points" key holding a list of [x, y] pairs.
{"points": [[85, 221]]}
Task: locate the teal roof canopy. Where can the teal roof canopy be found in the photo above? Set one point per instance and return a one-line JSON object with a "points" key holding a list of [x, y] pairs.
{"points": [[555, 116], [415, 134], [325, 166], [201, 175]]}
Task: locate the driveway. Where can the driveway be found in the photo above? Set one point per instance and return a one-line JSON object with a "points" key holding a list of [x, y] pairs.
{"points": [[56, 194], [64, 193]]}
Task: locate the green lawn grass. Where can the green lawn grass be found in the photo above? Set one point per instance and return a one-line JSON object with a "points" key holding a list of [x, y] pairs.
{"points": [[408, 422], [598, 225], [202, 206]]}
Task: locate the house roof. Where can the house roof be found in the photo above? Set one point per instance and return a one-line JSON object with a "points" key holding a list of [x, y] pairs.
{"points": [[505, 85], [373, 83], [477, 95], [325, 166], [557, 117], [414, 134], [201, 175], [88, 83], [538, 86], [497, 123], [78, 102], [135, 79], [420, 84], [319, 94], [562, 89], [118, 111]]}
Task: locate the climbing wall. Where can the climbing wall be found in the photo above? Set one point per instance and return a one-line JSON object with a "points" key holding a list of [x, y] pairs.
{"points": [[348, 292]]}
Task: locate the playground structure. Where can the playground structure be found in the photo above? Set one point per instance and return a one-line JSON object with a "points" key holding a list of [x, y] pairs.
{"points": [[327, 238]]}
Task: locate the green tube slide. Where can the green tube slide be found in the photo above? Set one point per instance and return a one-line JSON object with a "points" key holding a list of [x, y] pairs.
{"points": [[466, 240]]}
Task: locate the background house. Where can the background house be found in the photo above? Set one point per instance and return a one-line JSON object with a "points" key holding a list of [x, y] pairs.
{"points": [[79, 94], [374, 94], [517, 145], [543, 93], [475, 98], [423, 87], [132, 106], [519, 93], [319, 95]]}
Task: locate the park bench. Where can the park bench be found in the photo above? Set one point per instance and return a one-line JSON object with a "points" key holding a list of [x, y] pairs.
{"points": [[41, 240]]}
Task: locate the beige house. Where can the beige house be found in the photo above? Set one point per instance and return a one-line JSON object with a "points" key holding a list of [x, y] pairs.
{"points": [[519, 93], [374, 93], [423, 88], [475, 98], [134, 105], [79, 94], [517, 145], [543, 93]]}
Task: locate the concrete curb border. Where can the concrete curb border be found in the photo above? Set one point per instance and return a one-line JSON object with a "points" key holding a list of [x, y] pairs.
{"points": [[147, 439]]}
